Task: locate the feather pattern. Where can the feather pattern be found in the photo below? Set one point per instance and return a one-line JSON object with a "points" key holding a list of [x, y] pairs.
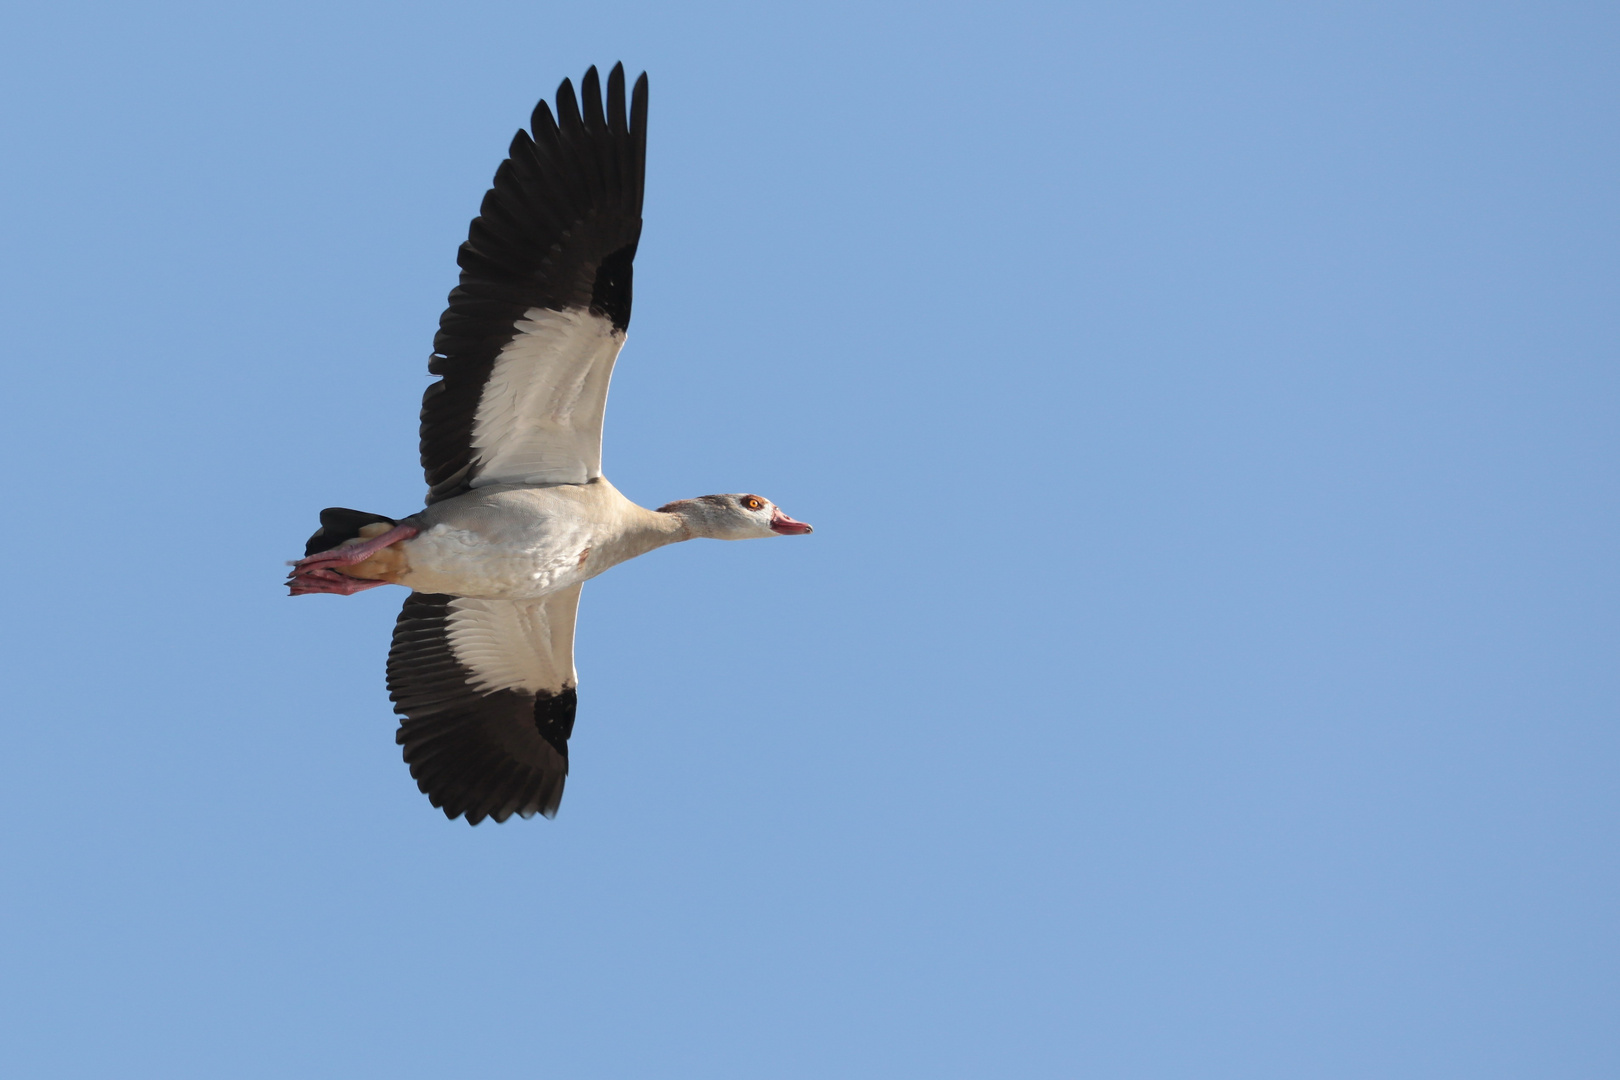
{"points": [[539, 420], [556, 235], [485, 692], [515, 645]]}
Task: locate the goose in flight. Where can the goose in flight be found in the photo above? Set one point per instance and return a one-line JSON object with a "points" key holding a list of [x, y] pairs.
{"points": [[519, 515]]}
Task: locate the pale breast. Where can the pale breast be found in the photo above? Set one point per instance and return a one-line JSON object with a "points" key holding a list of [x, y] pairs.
{"points": [[521, 542], [509, 543], [460, 562]]}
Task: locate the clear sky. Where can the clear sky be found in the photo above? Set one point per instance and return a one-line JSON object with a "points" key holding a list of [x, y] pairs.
{"points": [[1204, 665]]}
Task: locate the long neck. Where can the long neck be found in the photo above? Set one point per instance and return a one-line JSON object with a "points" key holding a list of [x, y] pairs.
{"points": [[642, 530], [630, 530], [658, 528], [694, 518]]}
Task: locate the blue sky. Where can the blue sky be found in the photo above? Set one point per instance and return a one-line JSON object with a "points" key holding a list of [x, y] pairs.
{"points": [[1204, 665]]}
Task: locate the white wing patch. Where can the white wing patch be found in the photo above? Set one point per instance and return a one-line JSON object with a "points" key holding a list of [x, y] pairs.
{"points": [[540, 418], [516, 644]]}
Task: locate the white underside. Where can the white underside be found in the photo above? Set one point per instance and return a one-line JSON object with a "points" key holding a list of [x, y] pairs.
{"points": [[539, 420], [523, 645], [464, 563], [520, 543]]}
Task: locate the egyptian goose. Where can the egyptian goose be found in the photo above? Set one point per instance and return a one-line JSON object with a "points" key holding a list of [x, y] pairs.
{"points": [[518, 512]]}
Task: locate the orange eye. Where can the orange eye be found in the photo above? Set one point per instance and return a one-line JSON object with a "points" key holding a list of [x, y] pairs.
{"points": [[753, 503]]}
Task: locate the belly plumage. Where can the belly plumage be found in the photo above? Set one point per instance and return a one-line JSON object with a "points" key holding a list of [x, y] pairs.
{"points": [[461, 562]]}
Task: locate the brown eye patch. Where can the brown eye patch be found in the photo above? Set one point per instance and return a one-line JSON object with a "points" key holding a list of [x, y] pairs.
{"points": [[753, 502]]}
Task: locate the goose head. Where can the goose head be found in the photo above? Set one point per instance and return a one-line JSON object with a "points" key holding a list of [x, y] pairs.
{"points": [[733, 517]]}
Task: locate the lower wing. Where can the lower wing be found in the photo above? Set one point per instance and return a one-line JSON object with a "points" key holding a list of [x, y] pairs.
{"points": [[485, 692]]}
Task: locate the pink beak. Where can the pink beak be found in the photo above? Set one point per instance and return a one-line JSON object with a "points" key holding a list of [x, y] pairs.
{"points": [[785, 525]]}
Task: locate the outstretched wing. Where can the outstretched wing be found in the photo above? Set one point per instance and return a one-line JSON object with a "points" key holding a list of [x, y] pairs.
{"points": [[485, 689], [527, 345]]}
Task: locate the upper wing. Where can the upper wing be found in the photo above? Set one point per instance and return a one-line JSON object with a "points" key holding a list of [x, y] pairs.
{"points": [[486, 692], [527, 345]]}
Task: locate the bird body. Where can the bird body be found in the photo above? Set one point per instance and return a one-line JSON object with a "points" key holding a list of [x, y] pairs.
{"points": [[519, 541], [518, 513]]}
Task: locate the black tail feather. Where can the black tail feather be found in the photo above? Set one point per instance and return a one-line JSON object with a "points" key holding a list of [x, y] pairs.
{"points": [[339, 524]]}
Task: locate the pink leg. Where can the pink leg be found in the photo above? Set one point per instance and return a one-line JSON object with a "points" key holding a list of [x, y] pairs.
{"points": [[352, 551], [319, 572]]}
